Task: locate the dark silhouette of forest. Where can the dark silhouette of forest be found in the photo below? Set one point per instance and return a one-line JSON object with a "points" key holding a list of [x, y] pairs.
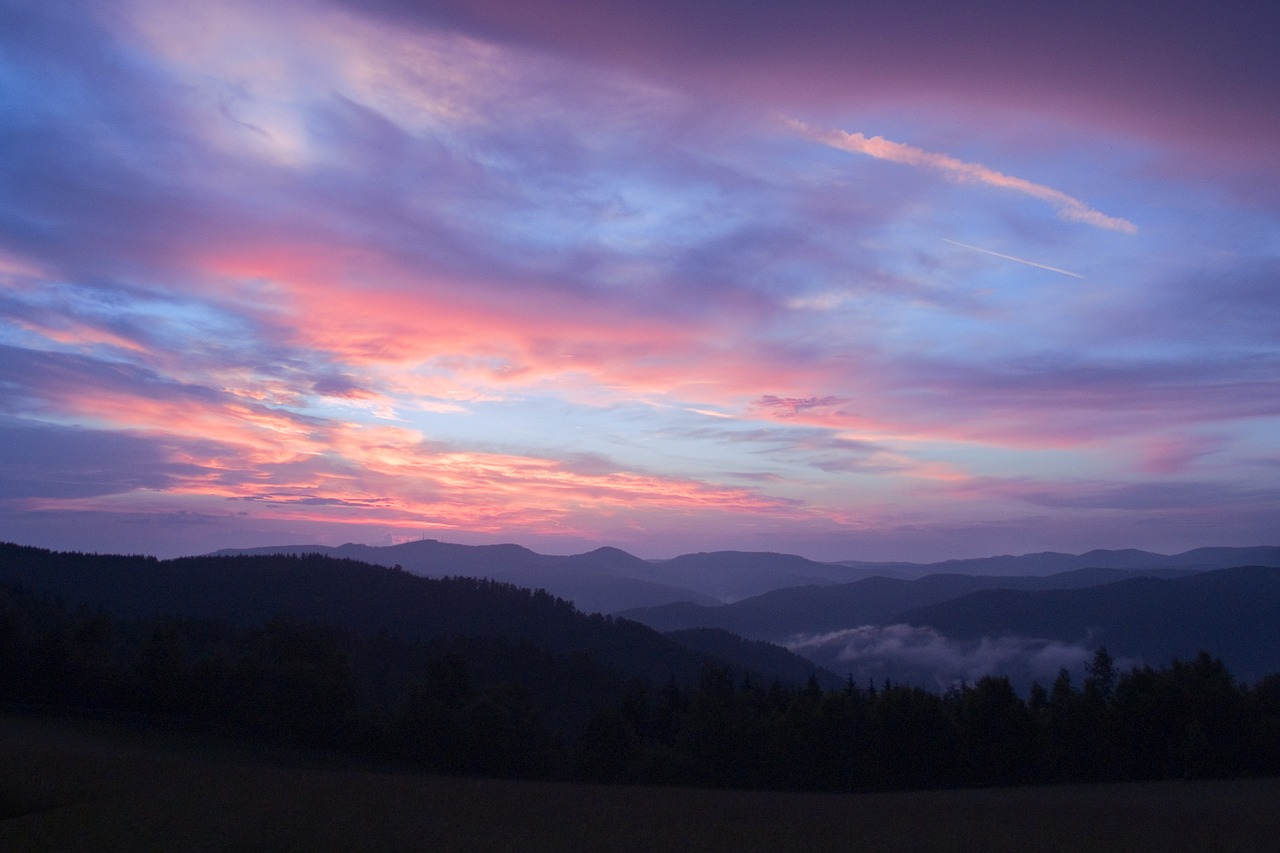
{"points": [[472, 677]]}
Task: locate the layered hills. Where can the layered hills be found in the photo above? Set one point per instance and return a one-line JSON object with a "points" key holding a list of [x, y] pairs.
{"points": [[609, 580], [475, 675], [245, 591], [1023, 616], [782, 613]]}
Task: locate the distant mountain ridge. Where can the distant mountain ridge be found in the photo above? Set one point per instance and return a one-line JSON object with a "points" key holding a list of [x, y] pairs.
{"points": [[610, 580], [605, 580], [1053, 562]]}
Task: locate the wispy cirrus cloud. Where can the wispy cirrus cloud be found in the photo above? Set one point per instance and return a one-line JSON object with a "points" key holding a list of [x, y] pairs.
{"points": [[1069, 208]]}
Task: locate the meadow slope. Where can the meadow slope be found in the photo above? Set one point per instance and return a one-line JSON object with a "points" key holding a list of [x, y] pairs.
{"points": [[67, 785]]}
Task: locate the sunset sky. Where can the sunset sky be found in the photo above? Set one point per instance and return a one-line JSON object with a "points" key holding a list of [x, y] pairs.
{"points": [[891, 280]]}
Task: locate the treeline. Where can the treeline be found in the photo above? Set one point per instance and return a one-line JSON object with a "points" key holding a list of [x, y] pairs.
{"points": [[1188, 720], [494, 706], [453, 704]]}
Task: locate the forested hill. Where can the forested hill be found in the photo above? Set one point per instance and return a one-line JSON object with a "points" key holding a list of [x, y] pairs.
{"points": [[248, 591]]}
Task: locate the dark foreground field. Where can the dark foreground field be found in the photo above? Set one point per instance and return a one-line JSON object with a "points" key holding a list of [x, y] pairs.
{"points": [[70, 786]]}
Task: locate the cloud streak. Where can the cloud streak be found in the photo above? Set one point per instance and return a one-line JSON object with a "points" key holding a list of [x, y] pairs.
{"points": [[1069, 208]]}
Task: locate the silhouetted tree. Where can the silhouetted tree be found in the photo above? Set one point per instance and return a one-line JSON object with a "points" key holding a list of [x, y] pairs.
{"points": [[998, 732]]}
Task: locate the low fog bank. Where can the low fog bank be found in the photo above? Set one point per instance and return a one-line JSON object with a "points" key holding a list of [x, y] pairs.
{"points": [[922, 657]]}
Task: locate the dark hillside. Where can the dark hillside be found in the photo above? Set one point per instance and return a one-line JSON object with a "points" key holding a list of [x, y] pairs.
{"points": [[778, 615], [245, 591], [755, 655]]}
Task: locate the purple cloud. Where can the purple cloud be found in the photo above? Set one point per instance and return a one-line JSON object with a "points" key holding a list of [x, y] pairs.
{"points": [[43, 460]]}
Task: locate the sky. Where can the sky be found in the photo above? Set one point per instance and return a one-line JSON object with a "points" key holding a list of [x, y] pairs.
{"points": [[852, 280]]}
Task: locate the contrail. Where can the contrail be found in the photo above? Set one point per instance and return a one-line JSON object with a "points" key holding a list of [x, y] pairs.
{"points": [[1069, 208], [1012, 258]]}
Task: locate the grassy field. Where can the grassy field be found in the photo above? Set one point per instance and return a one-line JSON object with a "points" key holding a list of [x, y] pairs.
{"points": [[72, 786]]}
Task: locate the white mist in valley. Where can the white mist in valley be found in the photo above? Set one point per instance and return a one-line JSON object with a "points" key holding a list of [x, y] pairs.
{"points": [[922, 657]]}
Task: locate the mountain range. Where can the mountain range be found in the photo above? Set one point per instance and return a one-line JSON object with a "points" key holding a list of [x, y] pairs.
{"points": [[609, 580]]}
